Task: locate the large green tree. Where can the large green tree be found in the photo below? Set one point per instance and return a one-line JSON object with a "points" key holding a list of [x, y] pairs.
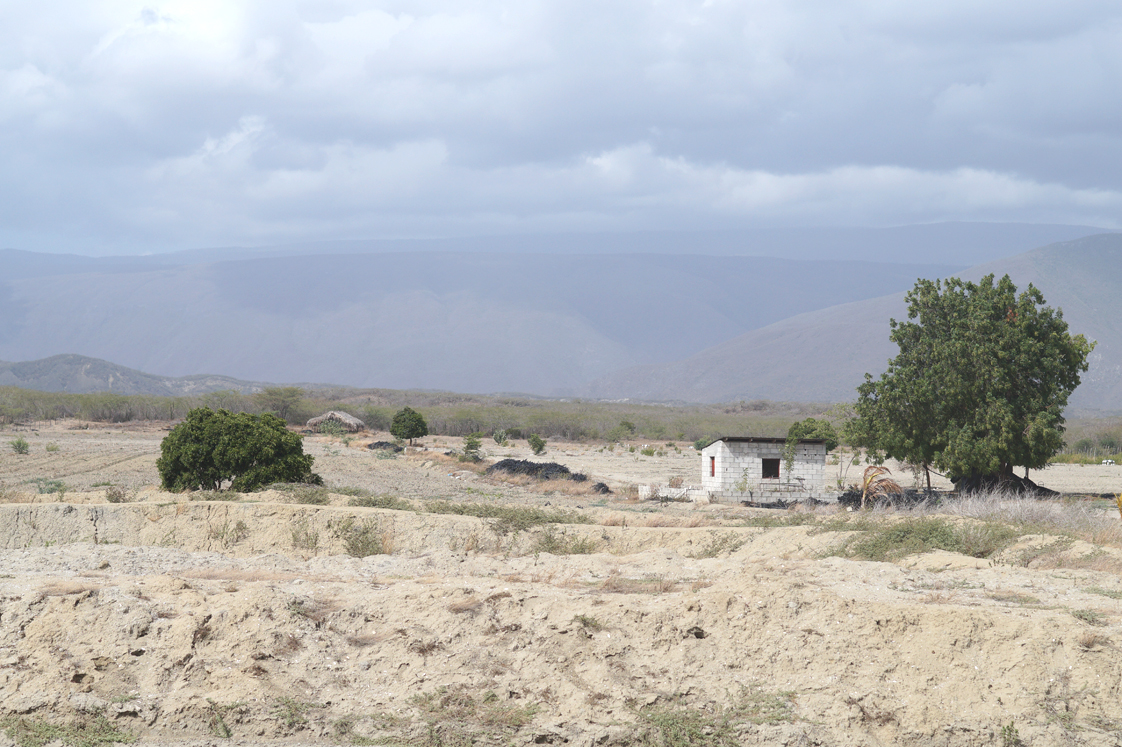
{"points": [[210, 448], [408, 424], [979, 385]]}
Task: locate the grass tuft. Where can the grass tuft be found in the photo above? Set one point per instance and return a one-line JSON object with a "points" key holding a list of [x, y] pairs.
{"points": [[89, 732], [919, 535]]}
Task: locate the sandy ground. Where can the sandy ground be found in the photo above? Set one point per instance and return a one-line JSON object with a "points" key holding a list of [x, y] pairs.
{"points": [[189, 621]]}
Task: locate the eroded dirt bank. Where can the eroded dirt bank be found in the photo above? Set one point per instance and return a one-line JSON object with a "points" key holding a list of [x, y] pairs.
{"points": [[184, 631]]}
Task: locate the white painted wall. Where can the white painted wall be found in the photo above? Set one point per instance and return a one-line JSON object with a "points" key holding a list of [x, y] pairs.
{"points": [[739, 471]]}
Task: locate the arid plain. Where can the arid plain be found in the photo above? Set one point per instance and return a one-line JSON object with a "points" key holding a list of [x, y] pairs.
{"points": [[191, 618]]}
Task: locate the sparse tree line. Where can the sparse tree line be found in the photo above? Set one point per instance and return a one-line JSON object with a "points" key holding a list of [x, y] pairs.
{"points": [[448, 415]]}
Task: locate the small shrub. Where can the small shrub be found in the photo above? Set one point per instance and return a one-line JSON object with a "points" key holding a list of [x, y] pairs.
{"points": [[1091, 617], [291, 712], [537, 444], [20, 445], [116, 494], [361, 539], [310, 495], [500, 437], [473, 445], [53, 447], [304, 537], [702, 442], [46, 487], [1010, 737], [720, 543], [559, 543], [588, 623]]}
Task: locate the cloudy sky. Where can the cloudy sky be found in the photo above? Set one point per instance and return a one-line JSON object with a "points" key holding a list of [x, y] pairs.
{"points": [[132, 126]]}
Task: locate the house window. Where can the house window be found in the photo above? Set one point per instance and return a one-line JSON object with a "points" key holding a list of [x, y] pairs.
{"points": [[771, 468], [712, 466]]}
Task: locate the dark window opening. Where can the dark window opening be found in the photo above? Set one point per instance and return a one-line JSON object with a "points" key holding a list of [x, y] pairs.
{"points": [[712, 466], [771, 468]]}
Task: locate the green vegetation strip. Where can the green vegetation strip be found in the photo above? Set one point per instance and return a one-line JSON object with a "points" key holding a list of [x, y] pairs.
{"points": [[37, 732], [508, 518], [680, 726], [912, 536]]}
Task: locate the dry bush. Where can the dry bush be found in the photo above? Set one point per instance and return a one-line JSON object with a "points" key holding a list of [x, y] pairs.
{"points": [[1033, 516], [1090, 639], [614, 520], [940, 597]]}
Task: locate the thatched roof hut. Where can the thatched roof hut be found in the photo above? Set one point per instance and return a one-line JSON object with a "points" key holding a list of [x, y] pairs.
{"points": [[349, 422]]}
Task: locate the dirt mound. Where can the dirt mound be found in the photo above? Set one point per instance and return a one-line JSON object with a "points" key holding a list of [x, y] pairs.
{"points": [[540, 470]]}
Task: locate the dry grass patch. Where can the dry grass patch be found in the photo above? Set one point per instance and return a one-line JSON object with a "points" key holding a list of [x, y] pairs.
{"points": [[316, 610], [616, 584], [1090, 640], [66, 588], [1013, 597], [467, 605]]}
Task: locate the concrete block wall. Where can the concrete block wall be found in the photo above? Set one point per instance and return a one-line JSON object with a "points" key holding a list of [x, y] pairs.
{"points": [[739, 471]]}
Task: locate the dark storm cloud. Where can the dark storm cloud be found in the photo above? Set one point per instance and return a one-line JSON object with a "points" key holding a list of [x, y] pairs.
{"points": [[129, 126]]}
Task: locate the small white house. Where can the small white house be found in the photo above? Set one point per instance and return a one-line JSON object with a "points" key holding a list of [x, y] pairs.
{"points": [[752, 468]]}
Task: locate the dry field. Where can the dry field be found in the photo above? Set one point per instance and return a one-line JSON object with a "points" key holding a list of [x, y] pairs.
{"points": [[450, 608]]}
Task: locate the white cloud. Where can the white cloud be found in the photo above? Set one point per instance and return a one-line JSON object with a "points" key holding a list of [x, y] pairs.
{"points": [[168, 123]]}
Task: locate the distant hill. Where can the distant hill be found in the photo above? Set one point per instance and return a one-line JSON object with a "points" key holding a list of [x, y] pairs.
{"points": [[471, 322], [824, 354], [79, 374]]}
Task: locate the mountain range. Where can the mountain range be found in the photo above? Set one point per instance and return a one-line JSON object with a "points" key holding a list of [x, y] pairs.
{"points": [[566, 319], [822, 355]]}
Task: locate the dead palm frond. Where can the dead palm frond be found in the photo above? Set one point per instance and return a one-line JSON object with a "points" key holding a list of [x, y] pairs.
{"points": [[876, 484]]}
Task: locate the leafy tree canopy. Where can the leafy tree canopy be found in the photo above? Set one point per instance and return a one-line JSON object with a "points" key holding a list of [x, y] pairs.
{"points": [[408, 424], [979, 385], [279, 399], [814, 428], [251, 451]]}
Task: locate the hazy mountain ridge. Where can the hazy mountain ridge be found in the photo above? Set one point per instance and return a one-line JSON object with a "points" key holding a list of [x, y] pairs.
{"points": [[473, 322], [79, 374], [824, 354], [544, 323]]}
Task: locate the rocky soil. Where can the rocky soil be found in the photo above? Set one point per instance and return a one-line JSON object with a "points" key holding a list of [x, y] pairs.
{"points": [[185, 619]]}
